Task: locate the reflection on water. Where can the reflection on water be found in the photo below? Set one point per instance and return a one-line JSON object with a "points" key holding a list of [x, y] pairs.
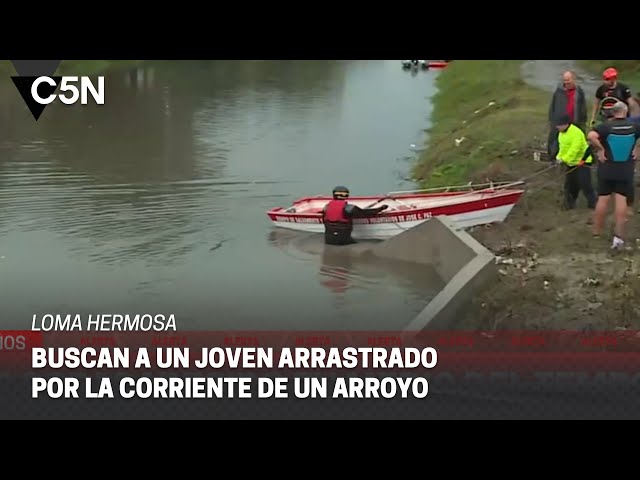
{"points": [[335, 273], [161, 193], [362, 288]]}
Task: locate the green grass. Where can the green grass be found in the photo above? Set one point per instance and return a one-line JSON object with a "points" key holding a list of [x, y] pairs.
{"points": [[499, 139]]}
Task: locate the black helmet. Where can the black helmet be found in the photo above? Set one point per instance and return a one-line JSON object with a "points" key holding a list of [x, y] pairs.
{"points": [[340, 193]]}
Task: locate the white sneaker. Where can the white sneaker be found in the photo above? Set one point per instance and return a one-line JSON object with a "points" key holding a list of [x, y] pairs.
{"points": [[618, 243]]}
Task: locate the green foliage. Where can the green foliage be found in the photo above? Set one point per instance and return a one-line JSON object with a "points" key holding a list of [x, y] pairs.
{"points": [[500, 119]]}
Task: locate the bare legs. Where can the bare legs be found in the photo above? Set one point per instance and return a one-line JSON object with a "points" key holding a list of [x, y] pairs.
{"points": [[620, 212]]}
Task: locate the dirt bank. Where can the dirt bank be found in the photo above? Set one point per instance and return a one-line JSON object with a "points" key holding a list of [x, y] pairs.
{"points": [[553, 274]]}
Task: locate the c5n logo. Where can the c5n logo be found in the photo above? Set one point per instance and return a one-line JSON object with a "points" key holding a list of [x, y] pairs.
{"points": [[37, 85]]}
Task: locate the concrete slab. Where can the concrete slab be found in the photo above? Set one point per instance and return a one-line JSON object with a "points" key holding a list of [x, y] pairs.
{"points": [[462, 262], [357, 259], [463, 265]]}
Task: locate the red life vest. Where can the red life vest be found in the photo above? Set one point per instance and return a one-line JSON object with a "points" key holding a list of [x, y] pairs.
{"points": [[334, 212]]}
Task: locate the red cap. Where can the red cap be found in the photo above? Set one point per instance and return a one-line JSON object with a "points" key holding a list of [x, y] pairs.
{"points": [[610, 74]]}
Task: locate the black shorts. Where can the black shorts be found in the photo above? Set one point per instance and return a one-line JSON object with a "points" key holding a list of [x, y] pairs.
{"points": [[632, 193], [621, 187], [632, 190]]}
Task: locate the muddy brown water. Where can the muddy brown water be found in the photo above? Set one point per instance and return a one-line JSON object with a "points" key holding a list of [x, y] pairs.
{"points": [[155, 202]]}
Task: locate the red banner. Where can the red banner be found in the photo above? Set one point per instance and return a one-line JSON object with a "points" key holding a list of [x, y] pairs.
{"points": [[458, 352]]}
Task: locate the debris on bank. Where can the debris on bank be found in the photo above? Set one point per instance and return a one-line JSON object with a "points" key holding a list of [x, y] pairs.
{"points": [[518, 256]]}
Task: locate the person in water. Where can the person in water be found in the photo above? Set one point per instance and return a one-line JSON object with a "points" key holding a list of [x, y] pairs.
{"points": [[338, 216]]}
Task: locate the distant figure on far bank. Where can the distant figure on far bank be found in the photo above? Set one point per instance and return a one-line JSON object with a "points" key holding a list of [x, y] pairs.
{"points": [[568, 99], [610, 92], [571, 153], [615, 145], [338, 216]]}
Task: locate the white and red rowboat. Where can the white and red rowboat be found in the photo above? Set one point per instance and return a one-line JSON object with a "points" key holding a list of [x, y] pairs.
{"points": [[468, 208]]}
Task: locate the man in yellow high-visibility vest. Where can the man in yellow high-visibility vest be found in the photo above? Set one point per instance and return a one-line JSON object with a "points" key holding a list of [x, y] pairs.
{"points": [[572, 143]]}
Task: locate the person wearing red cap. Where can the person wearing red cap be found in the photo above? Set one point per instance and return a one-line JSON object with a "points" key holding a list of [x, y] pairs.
{"points": [[609, 93]]}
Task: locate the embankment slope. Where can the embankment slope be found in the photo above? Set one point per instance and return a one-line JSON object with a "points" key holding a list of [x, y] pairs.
{"points": [[555, 275]]}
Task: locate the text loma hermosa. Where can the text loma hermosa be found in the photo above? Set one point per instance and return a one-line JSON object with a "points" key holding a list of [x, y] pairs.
{"points": [[104, 323]]}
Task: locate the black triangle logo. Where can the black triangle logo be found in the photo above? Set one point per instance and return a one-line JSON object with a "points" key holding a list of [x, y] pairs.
{"points": [[31, 68], [23, 84]]}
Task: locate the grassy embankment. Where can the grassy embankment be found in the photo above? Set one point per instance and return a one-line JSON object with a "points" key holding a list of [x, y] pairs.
{"points": [[555, 275], [493, 134]]}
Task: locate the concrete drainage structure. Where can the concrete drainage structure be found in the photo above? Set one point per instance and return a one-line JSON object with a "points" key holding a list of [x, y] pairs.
{"points": [[463, 263]]}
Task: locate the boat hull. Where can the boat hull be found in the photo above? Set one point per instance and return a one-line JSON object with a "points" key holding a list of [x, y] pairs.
{"points": [[389, 229], [480, 211]]}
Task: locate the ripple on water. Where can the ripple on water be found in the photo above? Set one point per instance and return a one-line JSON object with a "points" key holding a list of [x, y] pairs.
{"points": [[163, 199]]}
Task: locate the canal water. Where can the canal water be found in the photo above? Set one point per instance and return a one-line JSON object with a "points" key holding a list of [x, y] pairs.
{"points": [[155, 202]]}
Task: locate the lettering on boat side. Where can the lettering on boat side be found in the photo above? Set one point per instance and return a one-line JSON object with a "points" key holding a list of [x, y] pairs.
{"points": [[297, 220], [366, 221], [394, 218]]}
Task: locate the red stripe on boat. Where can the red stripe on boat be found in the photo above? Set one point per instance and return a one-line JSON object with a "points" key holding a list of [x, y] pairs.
{"points": [[490, 201]]}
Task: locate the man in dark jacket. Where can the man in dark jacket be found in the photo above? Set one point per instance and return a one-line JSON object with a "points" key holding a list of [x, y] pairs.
{"points": [[569, 99]]}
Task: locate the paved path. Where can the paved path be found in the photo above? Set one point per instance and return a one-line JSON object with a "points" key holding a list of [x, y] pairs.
{"points": [[547, 75]]}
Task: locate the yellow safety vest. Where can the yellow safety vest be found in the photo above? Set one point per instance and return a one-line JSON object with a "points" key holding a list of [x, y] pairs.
{"points": [[573, 144]]}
